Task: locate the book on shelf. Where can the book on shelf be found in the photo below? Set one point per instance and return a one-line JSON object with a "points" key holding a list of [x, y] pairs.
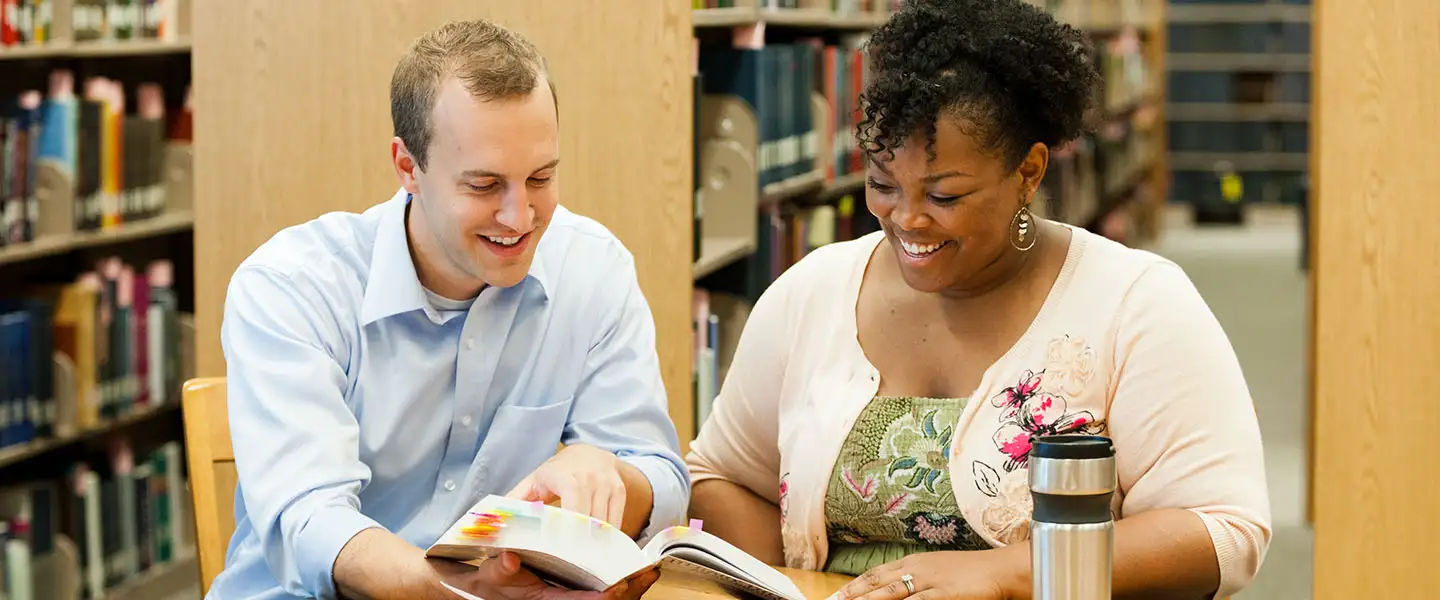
{"points": [[41, 22], [718, 319], [805, 99], [780, 84], [705, 365], [580, 552], [76, 356], [113, 516], [80, 160]]}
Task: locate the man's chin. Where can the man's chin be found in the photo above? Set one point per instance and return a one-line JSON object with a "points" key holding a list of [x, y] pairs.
{"points": [[509, 275]]}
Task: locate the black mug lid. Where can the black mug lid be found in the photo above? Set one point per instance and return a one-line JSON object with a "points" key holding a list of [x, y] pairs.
{"points": [[1071, 447]]}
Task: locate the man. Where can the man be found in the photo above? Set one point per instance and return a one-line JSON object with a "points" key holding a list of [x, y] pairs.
{"points": [[388, 369]]}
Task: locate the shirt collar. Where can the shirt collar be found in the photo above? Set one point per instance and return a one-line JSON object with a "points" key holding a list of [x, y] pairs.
{"points": [[393, 286]]}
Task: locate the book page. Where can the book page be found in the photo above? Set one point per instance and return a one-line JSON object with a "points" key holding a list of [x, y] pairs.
{"points": [[565, 547], [691, 545]]}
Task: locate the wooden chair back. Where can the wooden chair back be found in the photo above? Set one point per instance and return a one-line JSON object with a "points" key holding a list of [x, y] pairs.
{"points": [[211, 460]]}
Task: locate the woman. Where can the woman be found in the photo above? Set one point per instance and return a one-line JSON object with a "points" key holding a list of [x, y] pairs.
{"points": [[877, 416]]}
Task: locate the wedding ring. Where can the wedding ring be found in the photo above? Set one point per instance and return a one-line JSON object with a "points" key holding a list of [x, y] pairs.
{"points": [[909, 582]]}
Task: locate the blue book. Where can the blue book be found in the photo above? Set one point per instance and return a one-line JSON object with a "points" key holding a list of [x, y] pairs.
{"points": [[12, 375], [745, 73]]}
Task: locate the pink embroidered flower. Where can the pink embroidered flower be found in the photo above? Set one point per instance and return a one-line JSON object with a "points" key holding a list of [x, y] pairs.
{"points": [[934, 529], [1029, 413], [897, 503], [784, 495], [866, 489], [1011, 399]]}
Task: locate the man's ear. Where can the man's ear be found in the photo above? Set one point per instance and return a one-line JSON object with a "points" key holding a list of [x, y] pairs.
{"points": [[1032, 168], [405, 166]]}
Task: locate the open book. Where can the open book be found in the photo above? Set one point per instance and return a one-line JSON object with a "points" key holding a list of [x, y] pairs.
{"points": [[580, 552]]}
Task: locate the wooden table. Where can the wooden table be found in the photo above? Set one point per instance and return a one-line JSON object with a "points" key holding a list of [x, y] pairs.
{"points": [[681, 586]]}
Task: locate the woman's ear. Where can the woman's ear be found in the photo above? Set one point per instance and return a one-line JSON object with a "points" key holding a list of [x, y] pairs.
{"points": [[1032, 168]]}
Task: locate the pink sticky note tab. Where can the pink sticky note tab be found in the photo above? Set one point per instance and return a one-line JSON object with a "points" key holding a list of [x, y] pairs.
{"points": [[696, 524]]}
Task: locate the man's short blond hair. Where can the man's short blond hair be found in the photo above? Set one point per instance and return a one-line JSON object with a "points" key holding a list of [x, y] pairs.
{"points": [[494, 63]]}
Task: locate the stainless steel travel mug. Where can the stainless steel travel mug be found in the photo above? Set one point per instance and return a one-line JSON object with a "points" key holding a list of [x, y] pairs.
{"points": [[1072, 532]]}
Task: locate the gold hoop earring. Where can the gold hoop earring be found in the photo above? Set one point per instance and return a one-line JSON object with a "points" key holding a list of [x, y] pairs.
{"points": [[1022, 230]]}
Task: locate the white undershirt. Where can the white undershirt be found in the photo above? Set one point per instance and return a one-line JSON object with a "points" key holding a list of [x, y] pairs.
{"points": [[447, 308]]}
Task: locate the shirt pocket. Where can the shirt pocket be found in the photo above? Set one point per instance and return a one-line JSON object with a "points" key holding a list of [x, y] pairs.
{"points": [[520, 439]]}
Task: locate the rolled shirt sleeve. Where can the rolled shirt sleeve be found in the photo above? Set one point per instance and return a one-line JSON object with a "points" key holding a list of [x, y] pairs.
{"points": [[296, 442], [621, 404]]}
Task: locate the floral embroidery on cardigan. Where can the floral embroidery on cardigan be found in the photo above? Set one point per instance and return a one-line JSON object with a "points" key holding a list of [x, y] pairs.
{"points": [[1035, 406], [1027, 411]]}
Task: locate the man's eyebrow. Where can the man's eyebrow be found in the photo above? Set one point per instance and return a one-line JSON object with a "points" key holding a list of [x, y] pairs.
{"points": [[473, 173]]}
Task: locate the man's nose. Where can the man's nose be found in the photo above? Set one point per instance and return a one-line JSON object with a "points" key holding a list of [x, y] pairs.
{"points": [[516, 211]]}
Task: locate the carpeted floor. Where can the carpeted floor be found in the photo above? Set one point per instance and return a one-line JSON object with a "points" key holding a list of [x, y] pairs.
{"points": [[1250, 277]]}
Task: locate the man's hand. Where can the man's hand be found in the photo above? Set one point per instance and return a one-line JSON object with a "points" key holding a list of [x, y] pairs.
{"points": [[503, 578], [585, 479]]}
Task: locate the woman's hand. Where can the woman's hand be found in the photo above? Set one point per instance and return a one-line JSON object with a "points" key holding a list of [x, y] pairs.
{"points": [[932, 576]]}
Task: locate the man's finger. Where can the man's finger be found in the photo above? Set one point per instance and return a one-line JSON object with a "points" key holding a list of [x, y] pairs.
{"points": [[616, 505], [600, 504], [573, 498], [522, 490]]}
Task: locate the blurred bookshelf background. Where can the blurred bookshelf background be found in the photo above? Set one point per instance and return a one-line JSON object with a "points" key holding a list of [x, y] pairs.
{"points": [[1204, 109], [96, 278], [1239, 104]]}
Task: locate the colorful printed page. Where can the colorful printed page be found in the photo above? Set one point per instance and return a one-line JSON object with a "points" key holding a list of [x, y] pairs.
{"points": [[568, 548]]}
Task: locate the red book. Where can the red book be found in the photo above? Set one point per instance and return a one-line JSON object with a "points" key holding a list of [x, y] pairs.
{"points": [[9, 22]]}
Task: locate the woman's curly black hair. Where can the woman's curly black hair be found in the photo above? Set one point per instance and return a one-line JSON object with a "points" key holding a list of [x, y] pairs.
{"points": [[1013, 74]]}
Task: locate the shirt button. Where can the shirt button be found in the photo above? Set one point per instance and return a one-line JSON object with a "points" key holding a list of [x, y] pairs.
{"points": [[465, 420], [449, 485], [470, 343]]}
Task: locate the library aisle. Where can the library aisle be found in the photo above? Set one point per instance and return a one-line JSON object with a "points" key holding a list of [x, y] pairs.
{"points": [[1250, 277]]}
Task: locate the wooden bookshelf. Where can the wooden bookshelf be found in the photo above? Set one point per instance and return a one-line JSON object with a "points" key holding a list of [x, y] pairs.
{"points": [[51, 461], [47, 246], [14, 455], [716, 253], [781, 191], [137, 47], [1376, 275]]}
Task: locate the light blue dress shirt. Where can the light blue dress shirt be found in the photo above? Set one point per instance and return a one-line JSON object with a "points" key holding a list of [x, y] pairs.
{"points": [[355, 403]]}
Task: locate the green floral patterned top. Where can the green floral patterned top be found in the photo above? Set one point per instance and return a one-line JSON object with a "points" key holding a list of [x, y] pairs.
{"points": [[890, 494]]}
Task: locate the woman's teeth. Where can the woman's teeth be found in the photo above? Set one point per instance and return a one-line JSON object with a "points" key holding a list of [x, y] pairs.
{"points": [[503, 241], [920, 249]]}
